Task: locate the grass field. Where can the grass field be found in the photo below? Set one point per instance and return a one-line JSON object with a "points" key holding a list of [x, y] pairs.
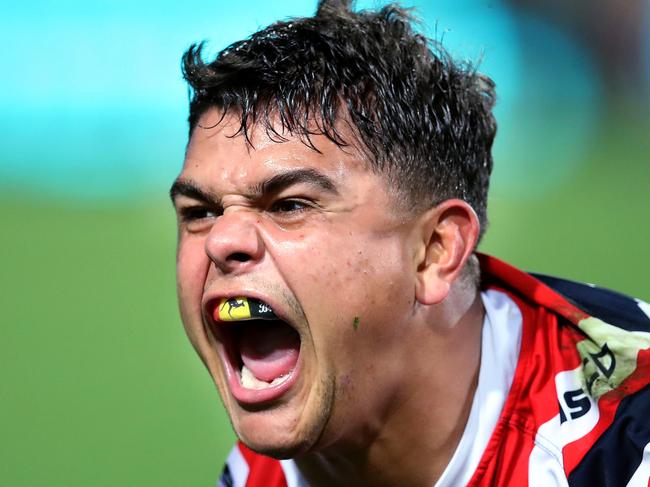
{"points": [[98, 384]]}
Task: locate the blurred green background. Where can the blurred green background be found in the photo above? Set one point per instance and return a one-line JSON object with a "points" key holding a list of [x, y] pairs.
{"points": [[98, 384]]}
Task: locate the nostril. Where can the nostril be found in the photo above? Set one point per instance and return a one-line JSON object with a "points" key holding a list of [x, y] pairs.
{"points": [[239, 257]]}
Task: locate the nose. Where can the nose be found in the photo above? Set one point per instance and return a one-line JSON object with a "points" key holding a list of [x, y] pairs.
{"points": [[234, 243]]}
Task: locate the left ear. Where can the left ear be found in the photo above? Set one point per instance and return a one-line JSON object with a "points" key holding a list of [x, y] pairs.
{"points": [[449, 236]]}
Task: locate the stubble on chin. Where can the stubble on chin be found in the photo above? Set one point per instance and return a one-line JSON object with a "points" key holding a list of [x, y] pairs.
{"points": [[309, 429]]}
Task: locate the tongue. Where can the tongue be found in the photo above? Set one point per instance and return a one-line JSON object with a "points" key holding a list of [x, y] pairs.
{"points": [[269, 349]]}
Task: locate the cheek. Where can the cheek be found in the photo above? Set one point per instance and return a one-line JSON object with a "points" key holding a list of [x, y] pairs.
{"points": [[321, 269], [338, 278], [191, 269], [360, 271]]}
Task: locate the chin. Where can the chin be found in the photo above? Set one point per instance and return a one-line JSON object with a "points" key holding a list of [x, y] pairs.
{"points": [[286, 431], [280, 450], [274, 439]]}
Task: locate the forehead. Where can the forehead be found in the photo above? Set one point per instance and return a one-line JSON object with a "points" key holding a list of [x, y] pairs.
{"points": [[219, 153]]}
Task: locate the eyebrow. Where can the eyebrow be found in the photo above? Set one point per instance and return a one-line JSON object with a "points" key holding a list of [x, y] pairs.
{"points": [[184, 187], [275, 184]]}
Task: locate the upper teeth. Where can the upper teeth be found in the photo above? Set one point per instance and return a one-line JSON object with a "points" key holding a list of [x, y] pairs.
{"points": [[249, 381], [242, 308]]}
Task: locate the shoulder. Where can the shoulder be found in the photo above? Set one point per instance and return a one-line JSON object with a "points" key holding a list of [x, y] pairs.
{"points": [[578, 406], [604, 304], [617, 447]]}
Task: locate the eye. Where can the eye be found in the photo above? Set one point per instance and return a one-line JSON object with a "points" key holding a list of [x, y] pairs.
{"points": [[289, 206], [193, 213], [196, 219]]}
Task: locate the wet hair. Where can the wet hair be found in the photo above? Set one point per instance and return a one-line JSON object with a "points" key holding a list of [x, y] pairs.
{"points": [[419, 118]]}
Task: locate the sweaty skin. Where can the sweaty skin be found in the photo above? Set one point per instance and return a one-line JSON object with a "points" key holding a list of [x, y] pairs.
{"points": [[322, 240]]}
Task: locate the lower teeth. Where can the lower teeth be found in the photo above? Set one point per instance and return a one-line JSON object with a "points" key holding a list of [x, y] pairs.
{"points": [[249, 381]]}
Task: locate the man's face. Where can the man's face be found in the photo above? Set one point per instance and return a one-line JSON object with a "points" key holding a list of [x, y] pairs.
{"points": [[318, 238]]}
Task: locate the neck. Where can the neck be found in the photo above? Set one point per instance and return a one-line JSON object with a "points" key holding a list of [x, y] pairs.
{"points": [[418, 433]]}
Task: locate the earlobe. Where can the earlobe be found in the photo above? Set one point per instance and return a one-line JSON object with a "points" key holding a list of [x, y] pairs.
{"points": [[429, 291], [449, 235]]}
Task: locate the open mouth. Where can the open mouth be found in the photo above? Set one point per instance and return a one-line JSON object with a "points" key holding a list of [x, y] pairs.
{"points": [[261, 351]]}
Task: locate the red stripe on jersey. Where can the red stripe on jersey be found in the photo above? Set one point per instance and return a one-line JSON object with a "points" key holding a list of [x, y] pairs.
{"points": [[263, 471], [505, 460], [607, 405], [532, 399]]}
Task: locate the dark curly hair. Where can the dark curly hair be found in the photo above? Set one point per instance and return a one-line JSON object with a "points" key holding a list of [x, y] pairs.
{"points": [[421, 119]]}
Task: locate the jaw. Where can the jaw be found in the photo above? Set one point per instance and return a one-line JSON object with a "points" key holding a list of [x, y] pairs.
{"points": [[288, 428]]}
